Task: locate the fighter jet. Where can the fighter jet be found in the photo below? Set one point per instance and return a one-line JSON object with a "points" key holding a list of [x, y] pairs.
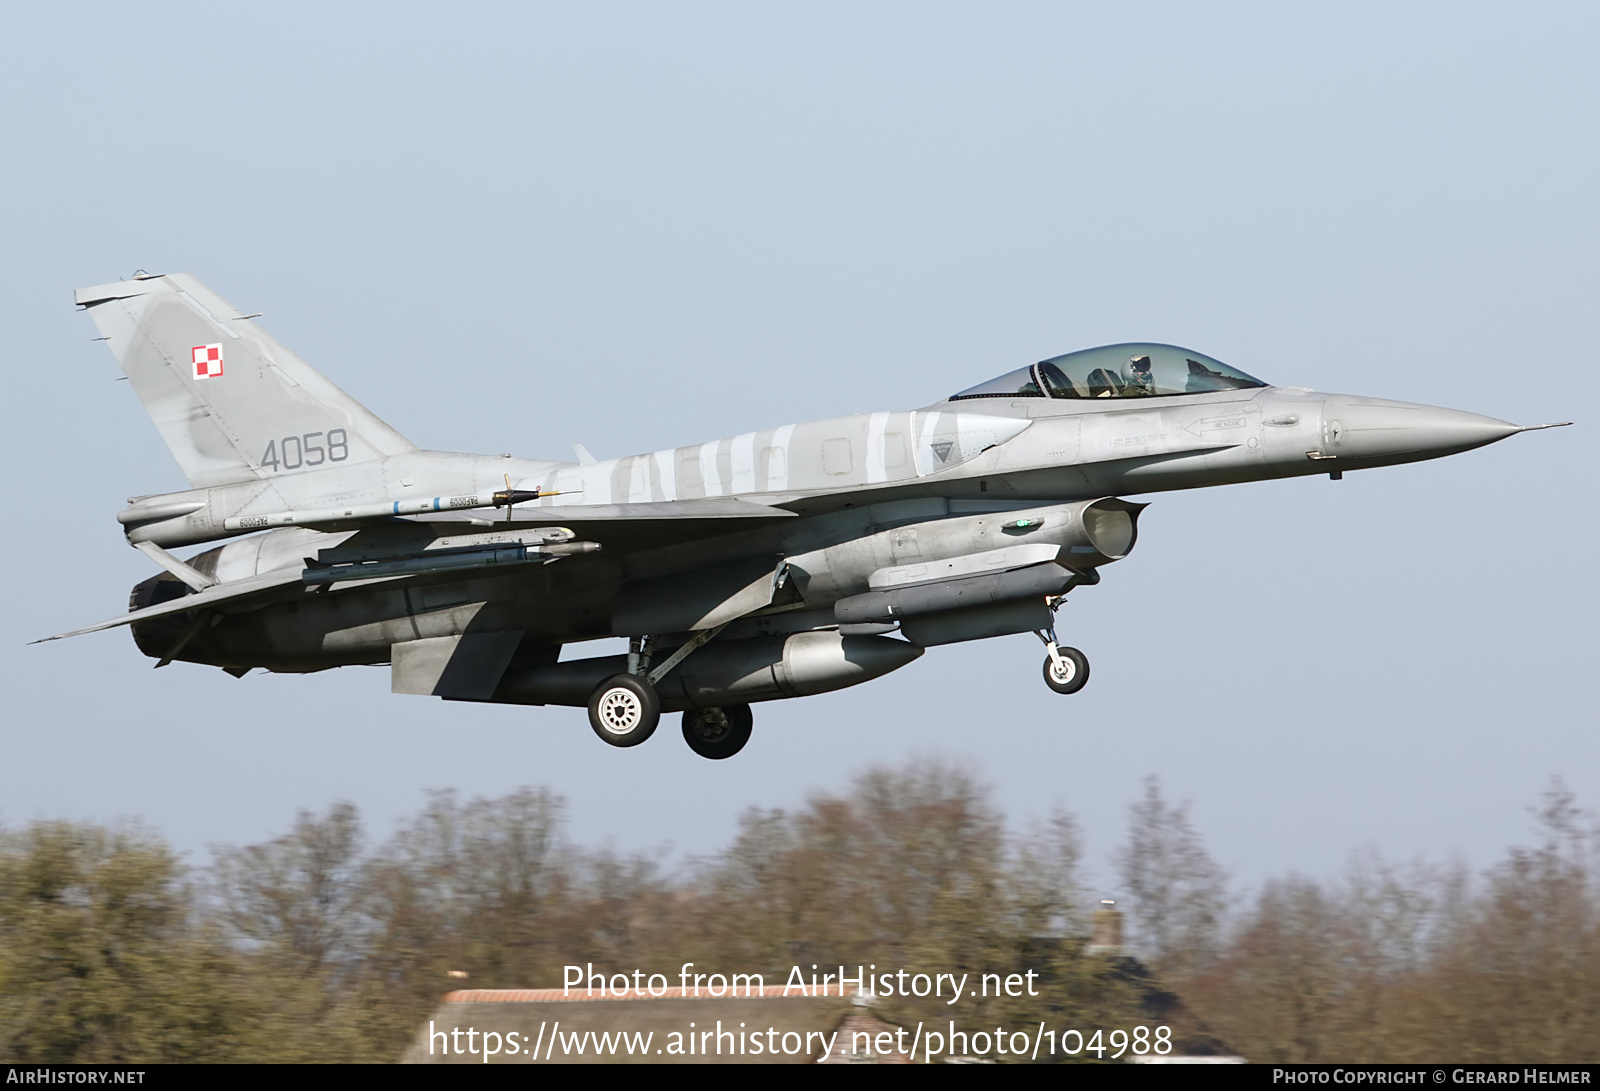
{"points": [[777, 563]]}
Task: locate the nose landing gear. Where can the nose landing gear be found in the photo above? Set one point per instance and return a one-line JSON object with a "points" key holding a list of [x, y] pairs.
{"points": [[1066, 670]]}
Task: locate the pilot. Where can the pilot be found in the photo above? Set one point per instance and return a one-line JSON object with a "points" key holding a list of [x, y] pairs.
{"points": [[1103, 384], [1137, 379]]}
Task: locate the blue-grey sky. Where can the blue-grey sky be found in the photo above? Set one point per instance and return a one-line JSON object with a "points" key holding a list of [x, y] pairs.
{"points": [[511, 227]]}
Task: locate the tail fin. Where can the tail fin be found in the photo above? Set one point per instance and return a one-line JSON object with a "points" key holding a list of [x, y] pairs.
{"points": [[230, 401]]}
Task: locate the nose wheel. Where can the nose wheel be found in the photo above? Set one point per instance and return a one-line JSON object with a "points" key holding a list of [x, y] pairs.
{"points": [[1066, 670]]}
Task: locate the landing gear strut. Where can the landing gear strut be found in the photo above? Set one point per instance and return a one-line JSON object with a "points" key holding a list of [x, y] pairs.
{"points": [[625, 709], [717, 733]]}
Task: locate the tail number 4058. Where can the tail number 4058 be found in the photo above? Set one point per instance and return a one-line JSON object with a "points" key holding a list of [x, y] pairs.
{"points": [[295, 452]]}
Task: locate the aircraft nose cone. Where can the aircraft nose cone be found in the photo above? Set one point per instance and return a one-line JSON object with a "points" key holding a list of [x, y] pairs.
{"points": [[1374, 428]]}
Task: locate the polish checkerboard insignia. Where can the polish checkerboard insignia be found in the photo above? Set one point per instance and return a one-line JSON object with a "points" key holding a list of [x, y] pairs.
{"points": [[207, 361]]}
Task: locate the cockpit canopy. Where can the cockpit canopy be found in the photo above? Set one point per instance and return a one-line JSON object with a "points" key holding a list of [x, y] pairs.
{"points": [[1132, 370]]}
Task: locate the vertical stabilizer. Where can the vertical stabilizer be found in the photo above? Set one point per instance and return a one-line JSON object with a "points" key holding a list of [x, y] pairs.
{"points": [[231, 402]]}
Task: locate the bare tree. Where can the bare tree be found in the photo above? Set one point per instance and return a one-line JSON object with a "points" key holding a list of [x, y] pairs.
{"points": [[296, 897], [481, 887], [1178, 892], [1043, 878]]}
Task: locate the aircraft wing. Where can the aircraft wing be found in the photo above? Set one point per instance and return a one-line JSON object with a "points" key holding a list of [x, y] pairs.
{"points": [[233, 592], [716, 507], [621, 525]]}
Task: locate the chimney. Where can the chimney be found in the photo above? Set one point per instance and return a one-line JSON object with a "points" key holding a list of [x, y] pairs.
{"points": [[1106, 938]]}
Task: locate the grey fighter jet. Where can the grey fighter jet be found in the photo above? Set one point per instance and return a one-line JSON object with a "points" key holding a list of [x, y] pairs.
{"points": [[778, 563]]}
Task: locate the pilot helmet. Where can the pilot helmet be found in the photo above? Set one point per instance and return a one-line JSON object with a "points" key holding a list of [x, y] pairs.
{"points": [[1136, 372]]}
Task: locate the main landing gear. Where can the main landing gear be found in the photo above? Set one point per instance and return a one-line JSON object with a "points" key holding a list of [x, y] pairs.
{"points": [[625, 709], [717, 733]]}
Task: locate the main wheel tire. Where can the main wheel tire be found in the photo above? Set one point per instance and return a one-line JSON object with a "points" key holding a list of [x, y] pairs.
{"points": [[717, 733], [1074, 672], [624, 710]]}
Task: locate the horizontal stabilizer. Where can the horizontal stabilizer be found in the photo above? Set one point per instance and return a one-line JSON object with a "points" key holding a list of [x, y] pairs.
{"points": [[211, 597]]}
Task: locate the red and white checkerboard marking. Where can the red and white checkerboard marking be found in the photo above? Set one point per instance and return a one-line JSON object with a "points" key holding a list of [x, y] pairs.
{"points": [[207, 361]]}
